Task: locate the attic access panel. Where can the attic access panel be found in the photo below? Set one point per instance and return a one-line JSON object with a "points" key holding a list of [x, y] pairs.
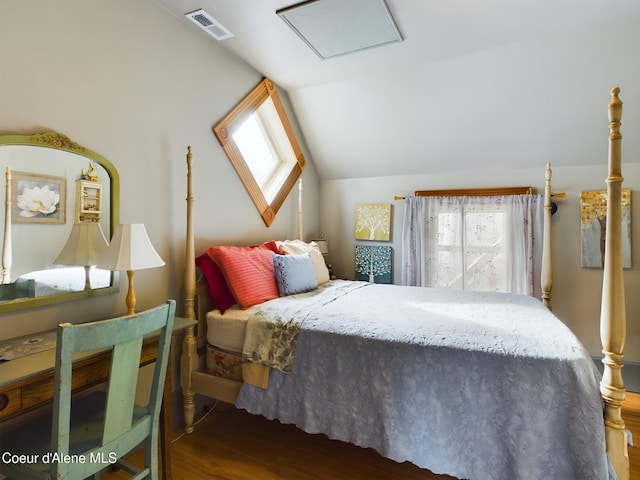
{"points": [[337, 27]]}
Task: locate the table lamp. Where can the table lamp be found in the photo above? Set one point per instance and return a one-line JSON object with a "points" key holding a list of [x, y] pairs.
{"points": [[130, 250], [85, 247], [323, 245]]}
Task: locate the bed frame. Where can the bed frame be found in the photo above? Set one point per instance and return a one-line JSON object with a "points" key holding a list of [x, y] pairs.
{"points": [[612, 318]]}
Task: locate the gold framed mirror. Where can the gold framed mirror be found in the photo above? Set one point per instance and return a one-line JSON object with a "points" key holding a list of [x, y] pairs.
{"points": [[34, 270], [259, 141]]}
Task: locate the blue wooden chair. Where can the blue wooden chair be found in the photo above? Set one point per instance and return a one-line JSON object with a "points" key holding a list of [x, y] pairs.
{"points": [[84, 436]]}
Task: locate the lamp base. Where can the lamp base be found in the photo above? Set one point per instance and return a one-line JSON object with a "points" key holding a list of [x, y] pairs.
{"points": [[87, 277], [131, 295]]}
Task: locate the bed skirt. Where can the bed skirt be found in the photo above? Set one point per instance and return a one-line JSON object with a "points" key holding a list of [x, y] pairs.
{"points": [[231, 366]]}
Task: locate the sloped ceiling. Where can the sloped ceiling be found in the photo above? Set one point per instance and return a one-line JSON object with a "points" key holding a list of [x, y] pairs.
{"points": [[475, 83]]}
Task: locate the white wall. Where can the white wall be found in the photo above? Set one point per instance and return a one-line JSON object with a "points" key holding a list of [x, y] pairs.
{"points": [[128, 80], [517, 106]]}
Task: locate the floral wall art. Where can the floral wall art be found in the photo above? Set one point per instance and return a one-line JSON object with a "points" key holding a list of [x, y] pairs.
{"points": [[38, 198], [373, 221], [593, 217]]}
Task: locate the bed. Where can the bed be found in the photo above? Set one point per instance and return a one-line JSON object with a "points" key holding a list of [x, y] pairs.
{"points": [[474, 385]]}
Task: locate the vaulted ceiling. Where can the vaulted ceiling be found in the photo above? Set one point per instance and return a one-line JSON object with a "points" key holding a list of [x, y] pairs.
{"points": [[474, 82]]}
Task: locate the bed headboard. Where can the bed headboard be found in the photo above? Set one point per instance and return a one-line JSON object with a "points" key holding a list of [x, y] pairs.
{"points": [[202, 304]]}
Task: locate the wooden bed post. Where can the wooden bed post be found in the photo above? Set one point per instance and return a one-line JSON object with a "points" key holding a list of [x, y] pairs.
{"points": [[189, 261], [546, 272], [7, 254], [612, 314], [300, 227], [189, 358]]}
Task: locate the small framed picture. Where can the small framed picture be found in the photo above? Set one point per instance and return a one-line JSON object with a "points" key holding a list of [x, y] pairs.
{"points": [[38, 198]]}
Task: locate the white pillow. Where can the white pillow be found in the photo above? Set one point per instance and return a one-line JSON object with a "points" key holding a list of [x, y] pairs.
{"points": [[297, 247]]}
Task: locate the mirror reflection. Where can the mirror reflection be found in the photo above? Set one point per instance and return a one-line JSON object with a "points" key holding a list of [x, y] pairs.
{"points": [[59, 214]]}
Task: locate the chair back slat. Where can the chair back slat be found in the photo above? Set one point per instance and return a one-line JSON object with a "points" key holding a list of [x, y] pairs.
{"points": [[121, 395]]}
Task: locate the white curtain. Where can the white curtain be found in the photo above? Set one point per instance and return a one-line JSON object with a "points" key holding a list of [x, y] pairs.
{"points": [[474, 243]]}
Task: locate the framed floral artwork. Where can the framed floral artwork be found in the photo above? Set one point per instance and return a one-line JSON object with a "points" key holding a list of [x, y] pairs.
{"points": [[38, 198], [373, 221]]}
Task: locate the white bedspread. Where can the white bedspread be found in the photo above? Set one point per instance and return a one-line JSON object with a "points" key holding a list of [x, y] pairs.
{"points": [[476, 385]]}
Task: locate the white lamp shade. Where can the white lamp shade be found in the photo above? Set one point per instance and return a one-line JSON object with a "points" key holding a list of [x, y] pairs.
{"points": [[130, 249], [85, 246], [323, 245]]}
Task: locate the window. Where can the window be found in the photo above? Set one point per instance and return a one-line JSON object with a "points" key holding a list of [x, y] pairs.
{"points": [[471, 242], [259, 141]]}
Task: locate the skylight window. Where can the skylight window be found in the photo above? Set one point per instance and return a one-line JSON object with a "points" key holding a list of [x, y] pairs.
{"points": [[263, 143], [255, 148], [259, 141], [337, 27]]}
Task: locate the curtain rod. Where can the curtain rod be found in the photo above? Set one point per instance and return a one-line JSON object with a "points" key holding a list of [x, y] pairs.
{"points": [[402, 197]]}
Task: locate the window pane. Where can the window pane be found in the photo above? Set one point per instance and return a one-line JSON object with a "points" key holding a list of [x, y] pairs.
{"points": [[263, 143], [484, 228], [471, 249], [449, 250], [485, 267], [448, 228], [256, 150]]}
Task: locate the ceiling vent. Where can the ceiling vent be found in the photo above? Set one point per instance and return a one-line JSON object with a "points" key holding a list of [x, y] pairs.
{"points": [[209, 24]]}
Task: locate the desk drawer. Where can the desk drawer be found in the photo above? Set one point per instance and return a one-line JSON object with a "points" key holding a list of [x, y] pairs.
{"points": [[84, 376], [10, 402], [86, 373]]}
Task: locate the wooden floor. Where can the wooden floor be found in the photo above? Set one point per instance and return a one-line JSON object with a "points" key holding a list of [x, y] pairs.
{"points": [[231, 444]]}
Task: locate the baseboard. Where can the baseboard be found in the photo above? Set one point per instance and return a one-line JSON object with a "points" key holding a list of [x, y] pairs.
{"points": [[630, 374]]}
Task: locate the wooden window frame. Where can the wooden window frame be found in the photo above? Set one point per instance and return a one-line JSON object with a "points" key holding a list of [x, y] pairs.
{"points": [[235, 118]]}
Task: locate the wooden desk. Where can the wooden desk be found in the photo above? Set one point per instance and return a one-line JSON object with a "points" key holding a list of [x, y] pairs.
{"points": [[26, 383]]}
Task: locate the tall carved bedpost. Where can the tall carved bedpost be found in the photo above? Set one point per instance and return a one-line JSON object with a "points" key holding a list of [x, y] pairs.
{"points": [[300, 226], [189, 261], [189, 352], [7, 252], [612, 315], [546, 272]]}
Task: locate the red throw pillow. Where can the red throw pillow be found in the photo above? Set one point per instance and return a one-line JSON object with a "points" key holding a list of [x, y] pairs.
{"points": [[218, 289], [249, 272]]}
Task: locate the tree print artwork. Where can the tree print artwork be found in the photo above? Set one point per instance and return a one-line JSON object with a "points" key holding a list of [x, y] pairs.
{"points": [[373, 221], [373, 264], [593, 222]]}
